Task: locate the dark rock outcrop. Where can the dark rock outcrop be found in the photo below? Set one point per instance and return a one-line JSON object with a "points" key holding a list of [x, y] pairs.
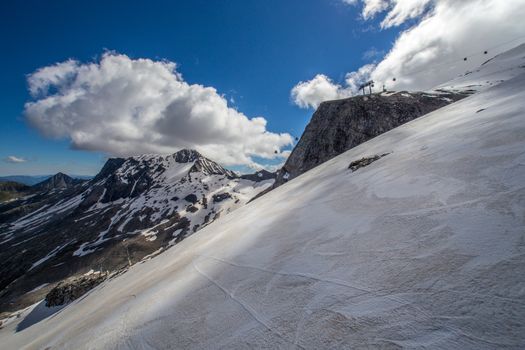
{"points": [[219, 197], [191, 198], [260, 175], [111, 165], [207, 167], [71, 289], [340, 125], [187, 156], [365, 161]]}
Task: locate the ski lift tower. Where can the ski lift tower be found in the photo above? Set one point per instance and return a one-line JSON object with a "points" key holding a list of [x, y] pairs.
{"points": [[369, 85]]}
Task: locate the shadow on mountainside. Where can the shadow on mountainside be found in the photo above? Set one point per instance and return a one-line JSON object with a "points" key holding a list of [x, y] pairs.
{"points": [[40, 312]]}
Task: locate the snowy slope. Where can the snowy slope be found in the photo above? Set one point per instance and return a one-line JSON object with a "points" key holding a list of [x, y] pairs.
{"points": [[500, 68], [422, 248]]}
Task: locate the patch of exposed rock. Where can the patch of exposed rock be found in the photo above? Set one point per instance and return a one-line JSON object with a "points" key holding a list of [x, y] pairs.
{"points": [[73, 288], [191, 198], [365, 161], [219, 197], [260, 175]]}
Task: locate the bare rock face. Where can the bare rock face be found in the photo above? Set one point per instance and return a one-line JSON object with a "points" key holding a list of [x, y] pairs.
{"points": [[71, 289], [340, 125]]}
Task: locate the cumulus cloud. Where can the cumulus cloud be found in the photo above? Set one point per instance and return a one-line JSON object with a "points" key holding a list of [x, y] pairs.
{"points": [[312, 92], [14, 159], [431, 51], [123, 106], [309, 94]]}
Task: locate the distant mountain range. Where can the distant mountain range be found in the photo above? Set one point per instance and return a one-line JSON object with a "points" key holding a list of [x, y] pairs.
{"points": [[134, 207], [31, 180]]}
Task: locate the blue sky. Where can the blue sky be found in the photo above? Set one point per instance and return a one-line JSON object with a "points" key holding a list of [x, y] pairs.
{"points": [[252, 52]]}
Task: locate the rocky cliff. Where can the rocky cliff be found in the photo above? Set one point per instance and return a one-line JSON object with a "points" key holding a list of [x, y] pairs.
{"points": [[340, 125]]}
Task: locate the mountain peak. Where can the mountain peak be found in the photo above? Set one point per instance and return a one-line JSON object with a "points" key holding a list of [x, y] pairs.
{"points": [[186, 155], [59, 180], [61, 175]]}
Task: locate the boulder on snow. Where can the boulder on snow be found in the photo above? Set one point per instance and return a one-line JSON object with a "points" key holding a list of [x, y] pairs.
{"points": [[356, 164], [71, 289], [192, 209], [191, 198], [221, 196]]}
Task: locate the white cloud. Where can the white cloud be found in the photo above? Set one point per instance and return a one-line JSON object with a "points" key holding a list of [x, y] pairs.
{"points": [[398, 10], [125, 106], [354, 79], [373, 7], [312, 92], [373, 53], [431, 51], [404, 10], [14, 159], [309, 94]]}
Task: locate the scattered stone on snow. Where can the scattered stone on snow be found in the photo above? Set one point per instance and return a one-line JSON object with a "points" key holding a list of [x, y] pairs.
{"points": [[356, 164]]}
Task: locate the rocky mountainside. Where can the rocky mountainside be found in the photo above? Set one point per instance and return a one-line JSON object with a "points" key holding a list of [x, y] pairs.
{"points": [[337, 126], [57, 181], [10, 190], [134, 207]]}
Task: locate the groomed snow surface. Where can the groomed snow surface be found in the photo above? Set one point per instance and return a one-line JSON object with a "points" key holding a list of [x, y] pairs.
{"points": [[424, 248]]}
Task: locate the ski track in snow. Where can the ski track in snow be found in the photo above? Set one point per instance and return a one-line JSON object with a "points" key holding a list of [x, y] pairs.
{"points": [[365, 290], [244, 305]]}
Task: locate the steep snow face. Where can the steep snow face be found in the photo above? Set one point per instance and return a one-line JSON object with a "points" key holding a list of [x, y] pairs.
{"points": [[423, 247]]}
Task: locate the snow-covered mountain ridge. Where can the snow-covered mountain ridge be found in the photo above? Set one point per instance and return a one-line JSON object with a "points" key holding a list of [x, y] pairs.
{"points": [[422, 248], [132, 208]]}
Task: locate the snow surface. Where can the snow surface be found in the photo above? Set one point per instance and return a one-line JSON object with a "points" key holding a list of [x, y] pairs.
{"points": [[423, 248], [494, 71]]}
